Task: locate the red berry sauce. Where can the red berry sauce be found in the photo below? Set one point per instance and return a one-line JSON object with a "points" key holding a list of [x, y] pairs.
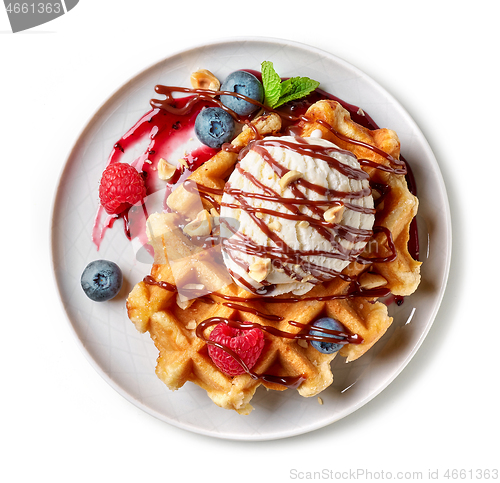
{"points": [[166, 132]]}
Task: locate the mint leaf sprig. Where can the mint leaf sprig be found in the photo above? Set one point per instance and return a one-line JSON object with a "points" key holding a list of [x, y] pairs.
{"points": [[277, 92]]}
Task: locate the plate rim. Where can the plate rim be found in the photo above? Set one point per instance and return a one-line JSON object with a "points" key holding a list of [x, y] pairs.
{"points": [[429, 155]]}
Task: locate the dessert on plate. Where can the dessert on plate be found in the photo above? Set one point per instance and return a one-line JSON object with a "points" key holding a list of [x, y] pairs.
{"points": [[279, 237]]}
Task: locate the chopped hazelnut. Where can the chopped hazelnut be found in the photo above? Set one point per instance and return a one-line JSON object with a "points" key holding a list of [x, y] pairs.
{"points": [[275, 225], [165, 170], [289, 178], [259, 270], [200, 226], [183, 302], [371, 280], [334, 214], [194, 286], [204, 79]]}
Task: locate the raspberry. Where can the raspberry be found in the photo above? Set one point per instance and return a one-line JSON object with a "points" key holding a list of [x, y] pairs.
{"points": [[121, 186], [247, 344]]}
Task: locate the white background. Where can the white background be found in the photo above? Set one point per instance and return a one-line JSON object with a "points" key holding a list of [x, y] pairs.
{"points": [[60, 421]]}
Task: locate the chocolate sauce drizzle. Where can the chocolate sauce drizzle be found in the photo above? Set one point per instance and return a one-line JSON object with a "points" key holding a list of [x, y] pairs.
{"points": [[304, 148], [354, 290], [207, 96], [282, 254], [281, 251], [149, 280], [327, 230]]}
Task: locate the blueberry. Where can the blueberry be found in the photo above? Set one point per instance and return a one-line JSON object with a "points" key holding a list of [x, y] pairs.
{"points": [[330, 324], [246, 84], [214, 127], [101, 280]]}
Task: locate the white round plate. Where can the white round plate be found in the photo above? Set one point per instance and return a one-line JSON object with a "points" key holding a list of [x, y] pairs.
{"points": [[126, 359]]}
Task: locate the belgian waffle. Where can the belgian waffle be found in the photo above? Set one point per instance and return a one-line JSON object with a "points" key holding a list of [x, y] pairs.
{"points": [[157, 304]]}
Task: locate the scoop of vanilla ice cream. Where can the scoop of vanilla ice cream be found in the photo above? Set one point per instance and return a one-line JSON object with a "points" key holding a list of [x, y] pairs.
{"points": [[249, 252]]}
